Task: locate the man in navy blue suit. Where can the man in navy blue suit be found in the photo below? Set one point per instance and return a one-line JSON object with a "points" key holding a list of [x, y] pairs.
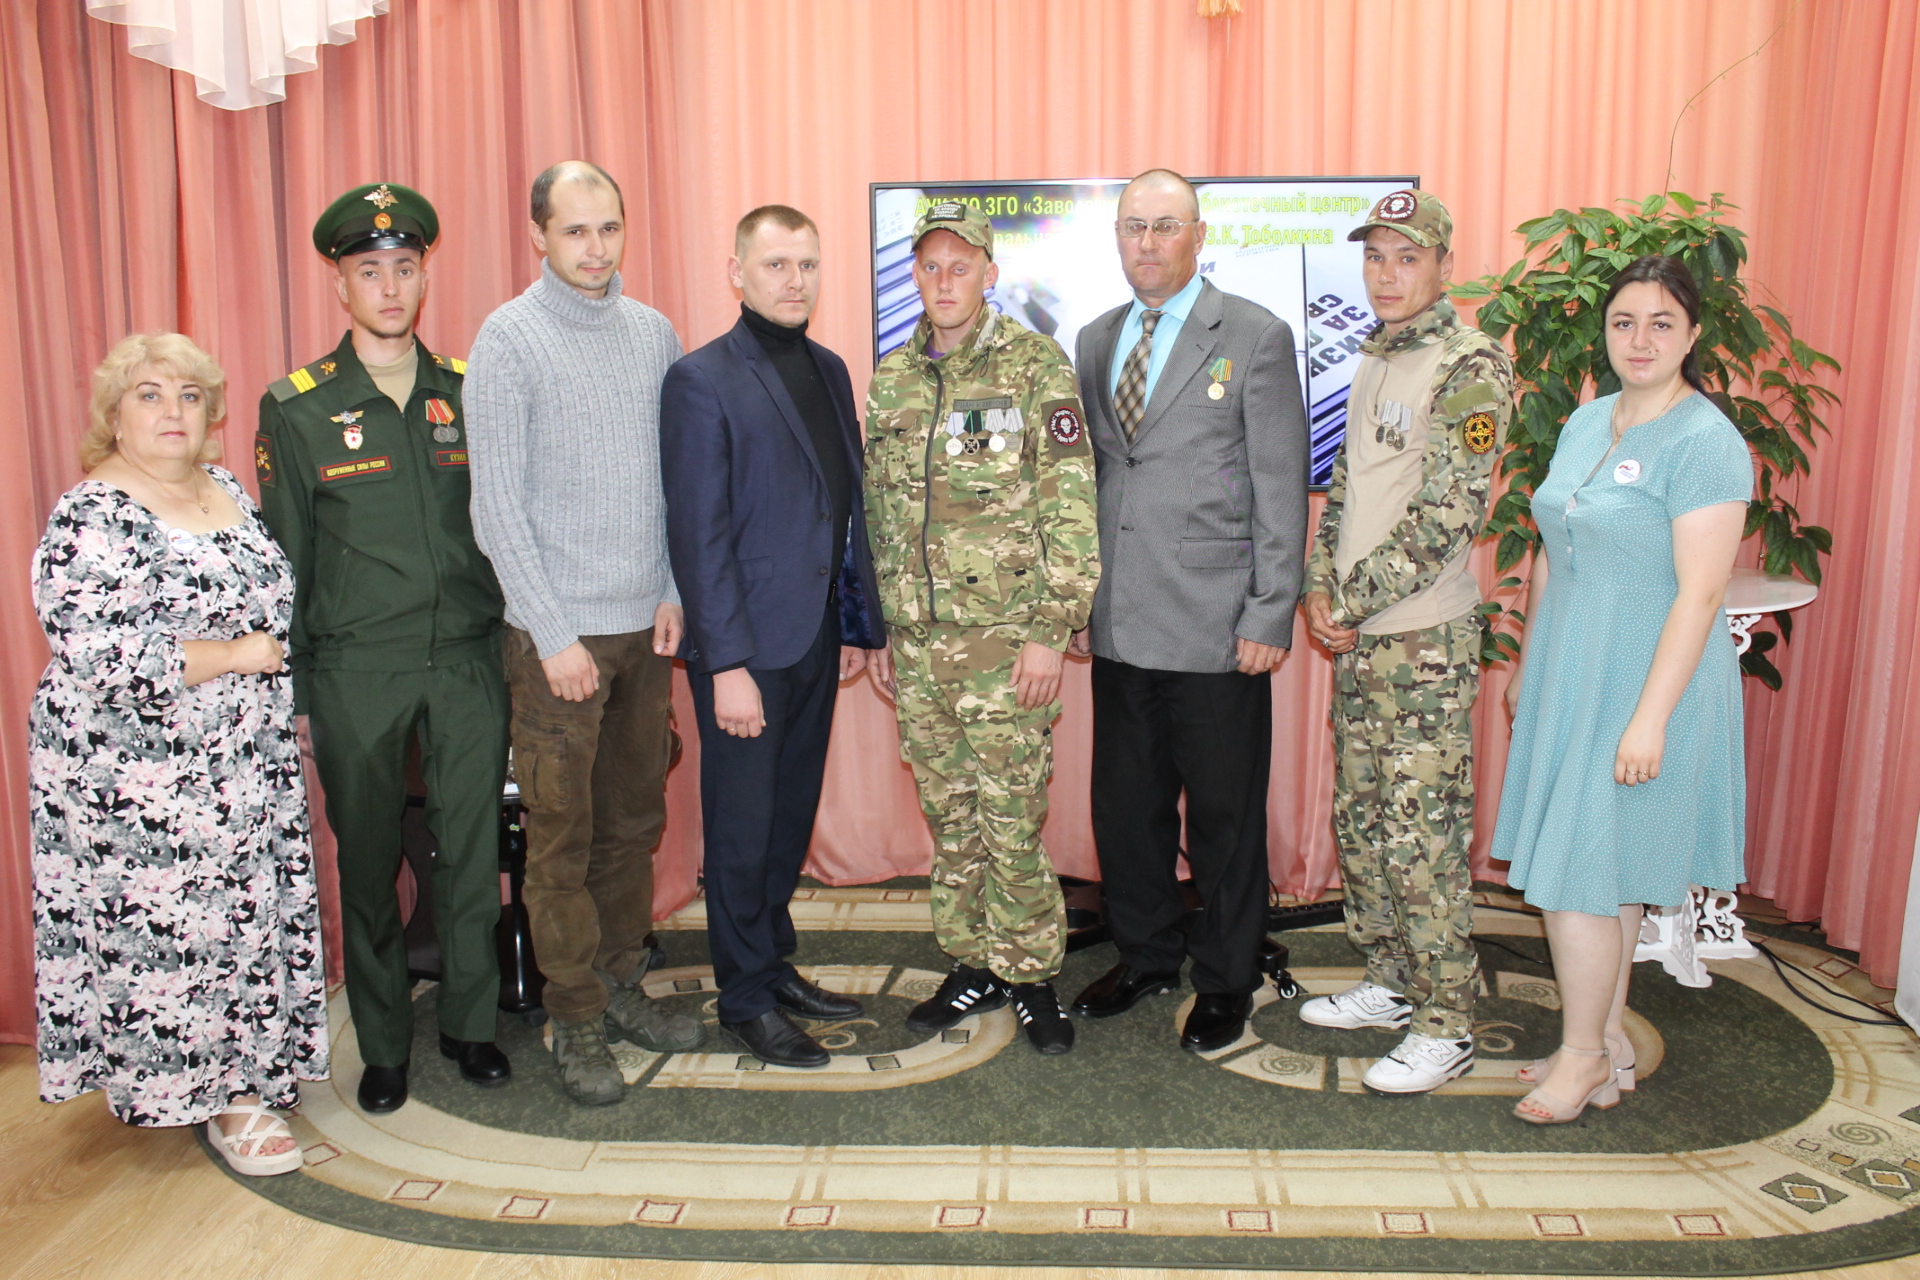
{"points": [[760, 455]]}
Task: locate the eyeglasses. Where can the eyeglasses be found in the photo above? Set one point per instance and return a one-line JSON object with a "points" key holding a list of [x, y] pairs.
{"points": [[1165, 228]]}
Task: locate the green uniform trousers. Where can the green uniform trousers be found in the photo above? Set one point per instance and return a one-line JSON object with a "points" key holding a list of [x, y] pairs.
{"points": [[362, 723], [981, 764], [1403, 815]]}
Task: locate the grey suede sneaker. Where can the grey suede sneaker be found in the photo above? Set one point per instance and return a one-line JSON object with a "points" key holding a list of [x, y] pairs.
{"points": [[632, 1015], [587, 1070]]}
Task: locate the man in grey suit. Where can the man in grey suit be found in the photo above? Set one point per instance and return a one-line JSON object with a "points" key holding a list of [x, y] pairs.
{"points": [[1199, 432]]}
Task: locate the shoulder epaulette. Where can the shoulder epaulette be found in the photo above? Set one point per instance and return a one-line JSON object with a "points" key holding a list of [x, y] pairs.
{"points": [[303, 380], [454, 363]]}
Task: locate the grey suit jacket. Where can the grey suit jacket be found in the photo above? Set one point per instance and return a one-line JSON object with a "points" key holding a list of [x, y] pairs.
{"points": [[1203, 517]]}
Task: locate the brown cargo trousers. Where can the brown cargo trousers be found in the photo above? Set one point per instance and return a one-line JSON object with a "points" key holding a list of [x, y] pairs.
{"points": [[592, 775]]}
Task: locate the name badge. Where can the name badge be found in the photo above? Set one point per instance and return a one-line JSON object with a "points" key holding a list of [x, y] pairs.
{"points": [[1627, 472]]}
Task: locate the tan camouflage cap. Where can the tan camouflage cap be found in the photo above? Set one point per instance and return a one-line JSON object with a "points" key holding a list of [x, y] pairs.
{"points": [[1417, 215], [963, 219]]}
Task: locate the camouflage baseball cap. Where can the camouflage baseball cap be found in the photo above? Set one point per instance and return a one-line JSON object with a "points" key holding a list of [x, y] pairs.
{"points": [[1417, 215], [379, 215], [963, 219]]}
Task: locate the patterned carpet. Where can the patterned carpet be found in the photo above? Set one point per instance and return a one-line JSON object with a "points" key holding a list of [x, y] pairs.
{"points": [[1766, 1135]]}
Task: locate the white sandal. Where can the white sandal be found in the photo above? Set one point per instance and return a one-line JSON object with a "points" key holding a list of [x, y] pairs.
{"points": [[263, 1126]]}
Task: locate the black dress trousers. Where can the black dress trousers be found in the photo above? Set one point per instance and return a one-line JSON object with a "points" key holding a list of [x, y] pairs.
{"points": [[758, 797], [1156, 734]]}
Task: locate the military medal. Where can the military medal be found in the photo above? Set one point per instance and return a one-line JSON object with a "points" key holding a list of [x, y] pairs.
{"points": [[996, 442], [1221, 372], [1392, 421], [440, 413], [350, 434]]}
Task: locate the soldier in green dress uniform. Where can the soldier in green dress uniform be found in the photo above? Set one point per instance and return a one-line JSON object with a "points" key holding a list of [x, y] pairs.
{"points": [[362, 463]]}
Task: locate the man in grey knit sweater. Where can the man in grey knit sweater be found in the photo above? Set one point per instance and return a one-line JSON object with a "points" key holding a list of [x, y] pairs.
{"points": [[563, 423]]}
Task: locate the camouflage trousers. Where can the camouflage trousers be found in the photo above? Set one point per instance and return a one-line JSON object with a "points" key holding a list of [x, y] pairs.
{"points": [[1403, 815], [981, 765]]}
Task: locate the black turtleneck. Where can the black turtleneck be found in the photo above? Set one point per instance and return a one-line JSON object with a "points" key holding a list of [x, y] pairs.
{"points": [[786, 346]]}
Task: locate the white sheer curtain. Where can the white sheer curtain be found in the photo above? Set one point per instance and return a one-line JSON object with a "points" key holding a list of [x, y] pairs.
{"points": [[239, 52]]}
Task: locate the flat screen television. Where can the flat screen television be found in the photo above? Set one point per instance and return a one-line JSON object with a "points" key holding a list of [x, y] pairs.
{"points": [[1280, 241]]}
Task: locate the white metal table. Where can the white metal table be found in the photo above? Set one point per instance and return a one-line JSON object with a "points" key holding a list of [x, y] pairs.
{"points": [[1706, 926]]}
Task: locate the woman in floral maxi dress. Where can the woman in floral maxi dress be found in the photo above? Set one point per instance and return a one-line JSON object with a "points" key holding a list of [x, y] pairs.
{"points": [[176, 927]]}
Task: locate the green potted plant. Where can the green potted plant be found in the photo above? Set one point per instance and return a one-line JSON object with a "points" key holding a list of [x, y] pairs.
{"points": [[1761, 375]]}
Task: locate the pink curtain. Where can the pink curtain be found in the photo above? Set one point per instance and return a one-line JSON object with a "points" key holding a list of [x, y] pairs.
{"points": [[134, 206]]}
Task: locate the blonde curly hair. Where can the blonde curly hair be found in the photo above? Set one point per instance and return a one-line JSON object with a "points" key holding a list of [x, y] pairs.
{"points": [[173, 354]]}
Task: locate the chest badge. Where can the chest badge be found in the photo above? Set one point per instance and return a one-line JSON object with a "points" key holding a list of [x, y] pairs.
{"points": [[1393, 422], [1627, 472], [440, 414], [1222, 373], [350, 433], [1479, 431]]}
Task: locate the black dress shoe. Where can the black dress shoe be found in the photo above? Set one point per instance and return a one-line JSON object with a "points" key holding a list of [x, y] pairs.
{"points": [[481, 1061], [774, 1040], [797, 995], [1119, 989], [1216, 1022], [383, 1089]]}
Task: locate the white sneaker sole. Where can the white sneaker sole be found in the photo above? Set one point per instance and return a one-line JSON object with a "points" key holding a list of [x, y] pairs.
{"points": [[1347, 1022]]}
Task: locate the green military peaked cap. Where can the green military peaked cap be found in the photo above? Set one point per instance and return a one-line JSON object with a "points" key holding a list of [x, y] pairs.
{"points": [[379, 215]]}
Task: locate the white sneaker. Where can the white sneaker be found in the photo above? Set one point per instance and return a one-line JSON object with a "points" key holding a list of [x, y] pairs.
{"points": [[1420, 1064], [1366, 1004]]}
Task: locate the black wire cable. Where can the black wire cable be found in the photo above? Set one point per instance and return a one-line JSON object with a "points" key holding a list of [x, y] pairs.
{"points": [[1482, 940], [1773, 959], [1781, 966]]}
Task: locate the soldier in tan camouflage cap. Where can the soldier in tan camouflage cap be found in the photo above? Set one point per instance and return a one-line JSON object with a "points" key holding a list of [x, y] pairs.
{"points": [[1390, 595], [979, 498]]}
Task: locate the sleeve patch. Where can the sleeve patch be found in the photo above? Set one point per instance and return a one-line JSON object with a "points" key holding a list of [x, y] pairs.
{"points": [[1480, 431], [1063, 423], [263, 459]]}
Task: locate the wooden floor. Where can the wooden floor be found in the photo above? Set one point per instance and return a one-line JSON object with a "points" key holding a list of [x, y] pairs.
{"points": [[83, 1197]]}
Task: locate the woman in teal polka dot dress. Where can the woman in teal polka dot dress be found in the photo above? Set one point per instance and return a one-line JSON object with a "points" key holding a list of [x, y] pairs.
{"points": [[1625, 782]]}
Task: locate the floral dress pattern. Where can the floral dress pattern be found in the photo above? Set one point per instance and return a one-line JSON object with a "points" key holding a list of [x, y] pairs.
{"points": [[176, 923]]}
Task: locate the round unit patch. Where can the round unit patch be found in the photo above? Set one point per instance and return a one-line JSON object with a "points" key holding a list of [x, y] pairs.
{"points": [[1397, 206], [1479, 431], [1064, 426]]}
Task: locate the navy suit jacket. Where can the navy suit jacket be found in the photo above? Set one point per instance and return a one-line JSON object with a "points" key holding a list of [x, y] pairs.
{"points": [[748, 524]]}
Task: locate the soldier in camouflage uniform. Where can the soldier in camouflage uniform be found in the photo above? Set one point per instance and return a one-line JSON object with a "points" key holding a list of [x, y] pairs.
{"points": [[1390, 594], [979, 497]]}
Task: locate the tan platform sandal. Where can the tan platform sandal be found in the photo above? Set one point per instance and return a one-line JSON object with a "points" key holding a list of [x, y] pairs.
{"points": [[1536, 1071], [1604, 1095], [238, 1149]]}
